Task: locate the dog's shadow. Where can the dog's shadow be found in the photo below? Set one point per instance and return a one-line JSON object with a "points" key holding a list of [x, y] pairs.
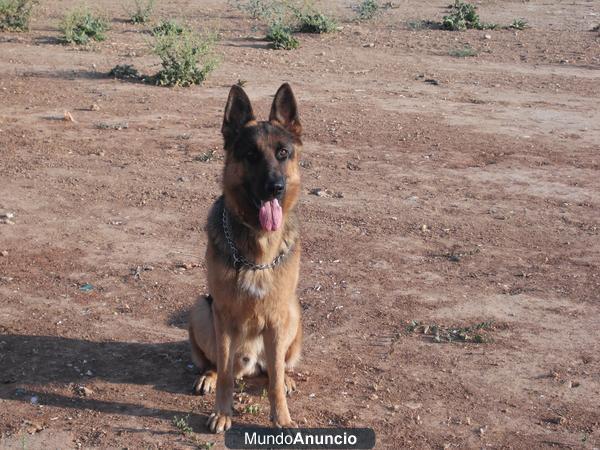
{"points": [[28, 360]]}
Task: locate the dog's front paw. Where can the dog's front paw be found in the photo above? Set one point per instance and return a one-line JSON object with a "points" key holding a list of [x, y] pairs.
{"points": [[206, 383], [218, 422], [285, 424], [280, 418]]}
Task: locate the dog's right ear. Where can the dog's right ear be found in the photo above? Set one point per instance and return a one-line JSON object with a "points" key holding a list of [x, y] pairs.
{"points": [[238, 112]]}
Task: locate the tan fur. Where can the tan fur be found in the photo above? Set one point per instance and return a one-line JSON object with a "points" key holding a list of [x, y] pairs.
{"points": [[254, 321]]}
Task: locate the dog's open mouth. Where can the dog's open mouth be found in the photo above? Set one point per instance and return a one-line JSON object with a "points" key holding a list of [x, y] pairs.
{"points": [[270, 215]]}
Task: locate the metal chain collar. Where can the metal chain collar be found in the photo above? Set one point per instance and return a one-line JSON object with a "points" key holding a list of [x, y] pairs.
{"points": [[240, 261]]}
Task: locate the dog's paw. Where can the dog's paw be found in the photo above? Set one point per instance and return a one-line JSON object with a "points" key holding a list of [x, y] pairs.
{"points": [[285, 424], [290, 384], [206, 383], [218, 422]]}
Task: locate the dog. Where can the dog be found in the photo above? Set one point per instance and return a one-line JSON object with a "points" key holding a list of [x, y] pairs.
{"points": [[251, 321]]}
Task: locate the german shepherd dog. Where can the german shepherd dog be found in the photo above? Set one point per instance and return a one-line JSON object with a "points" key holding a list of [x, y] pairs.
{"points": [[250, 322]]}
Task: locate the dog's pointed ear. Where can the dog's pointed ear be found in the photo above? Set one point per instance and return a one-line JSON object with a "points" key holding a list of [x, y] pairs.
{"points": [[284, 110], [238, 112]]}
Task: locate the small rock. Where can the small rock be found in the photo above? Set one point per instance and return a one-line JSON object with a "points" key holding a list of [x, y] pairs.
{"points": [[94, 107], [468, 421], [83, 391], [396, 408], [68, 117], [325, 193], [482, 430], [424, 228], [89, 373], [7, 218], [4, 253], [33, 427], [374, 397], [369, 45], [34, 400], [488, 36], [183, 179]]}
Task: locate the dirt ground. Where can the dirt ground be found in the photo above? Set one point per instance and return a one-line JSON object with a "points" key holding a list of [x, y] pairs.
{"points": [[469, 201]]}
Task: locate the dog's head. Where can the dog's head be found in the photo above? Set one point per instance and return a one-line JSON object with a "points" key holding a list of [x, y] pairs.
{"points": [[261, 179]]}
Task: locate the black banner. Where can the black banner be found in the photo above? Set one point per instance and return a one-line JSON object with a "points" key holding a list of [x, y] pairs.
{"points": [[299, 438]]}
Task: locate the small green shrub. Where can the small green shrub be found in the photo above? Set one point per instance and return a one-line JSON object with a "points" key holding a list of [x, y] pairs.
{"points": [[252, 409], [183, 424], [15, 14], [262, 9], [142, 11], [167, 27], [186, 57], [312, 21], [462, 16], [519, 24], [80, 26], [464, 52], [367, 9], [281, 37]]}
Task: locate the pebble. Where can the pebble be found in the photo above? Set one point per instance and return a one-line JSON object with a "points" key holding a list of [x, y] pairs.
{"points": [[94, 107], [7, 218], [488, 36], [325, 193], [369, 45], [84, 391], [4, 253]]}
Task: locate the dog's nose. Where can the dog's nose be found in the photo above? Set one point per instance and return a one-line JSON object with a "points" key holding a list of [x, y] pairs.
{"points": [[276, 186]]}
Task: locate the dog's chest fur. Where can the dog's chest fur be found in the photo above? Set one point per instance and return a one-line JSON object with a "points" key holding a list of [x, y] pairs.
{"points": [[256, 284]]}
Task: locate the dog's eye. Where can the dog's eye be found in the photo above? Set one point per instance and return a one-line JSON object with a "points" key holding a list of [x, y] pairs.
{"points": [[282, 154]]}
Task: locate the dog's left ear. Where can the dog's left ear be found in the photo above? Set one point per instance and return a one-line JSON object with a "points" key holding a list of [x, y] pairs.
{"points": [[284, 110]]}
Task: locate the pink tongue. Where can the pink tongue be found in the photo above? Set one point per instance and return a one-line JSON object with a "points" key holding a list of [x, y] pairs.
{"points": [[270, 215]]}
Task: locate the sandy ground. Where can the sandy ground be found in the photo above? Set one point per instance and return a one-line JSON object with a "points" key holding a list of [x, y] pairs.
{"points": [[471, 200]]}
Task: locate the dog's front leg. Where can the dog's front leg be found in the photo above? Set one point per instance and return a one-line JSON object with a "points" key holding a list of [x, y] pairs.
{"points": [[275, 348], [220, 420]]}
